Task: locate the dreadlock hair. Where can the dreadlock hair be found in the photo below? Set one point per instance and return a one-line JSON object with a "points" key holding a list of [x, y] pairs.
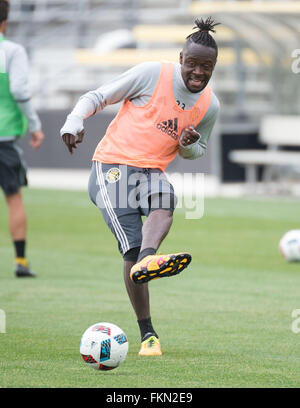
{"points": [[4, 9], [202, 36]]}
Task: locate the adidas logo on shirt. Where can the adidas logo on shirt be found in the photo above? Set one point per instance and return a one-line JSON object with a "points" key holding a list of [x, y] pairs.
{"points": [[170, 127]]}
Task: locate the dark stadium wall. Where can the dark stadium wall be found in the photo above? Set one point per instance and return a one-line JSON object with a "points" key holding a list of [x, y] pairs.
{"points": [[54, 154]]}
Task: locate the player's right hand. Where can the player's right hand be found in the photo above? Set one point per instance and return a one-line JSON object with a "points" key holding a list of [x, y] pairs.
{"points": [[71, 141]]}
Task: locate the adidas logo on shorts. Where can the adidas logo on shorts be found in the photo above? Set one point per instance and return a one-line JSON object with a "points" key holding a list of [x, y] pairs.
{"points": [[170, 127]]}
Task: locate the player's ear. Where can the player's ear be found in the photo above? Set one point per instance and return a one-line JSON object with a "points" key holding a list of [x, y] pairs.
{"points": [[180, 57], [215, 64], [216, 60]]}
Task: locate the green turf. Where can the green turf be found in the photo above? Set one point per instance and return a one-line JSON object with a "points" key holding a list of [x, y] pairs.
{"points": [[224, 322]]}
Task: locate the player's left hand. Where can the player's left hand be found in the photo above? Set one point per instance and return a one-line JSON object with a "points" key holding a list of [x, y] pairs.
{"points": [[37, 138], [190, 136]]}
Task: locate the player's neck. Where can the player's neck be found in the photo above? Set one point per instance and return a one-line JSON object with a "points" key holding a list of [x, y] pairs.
{"points": [[3, 27]]}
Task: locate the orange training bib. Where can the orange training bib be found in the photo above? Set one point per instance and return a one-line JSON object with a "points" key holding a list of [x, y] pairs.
{"points": [[148, 136]]}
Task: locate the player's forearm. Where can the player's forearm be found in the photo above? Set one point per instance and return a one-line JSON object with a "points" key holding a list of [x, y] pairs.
{"points": [[204, 130], [88, 105], [82, 110], [27, 109], [192, 151]]}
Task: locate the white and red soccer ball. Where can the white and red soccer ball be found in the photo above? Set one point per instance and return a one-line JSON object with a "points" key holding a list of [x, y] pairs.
{"points": [[104, 346], [289, 246]]}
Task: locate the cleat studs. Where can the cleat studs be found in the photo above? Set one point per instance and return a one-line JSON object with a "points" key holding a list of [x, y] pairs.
{"points": [[172, 266]]}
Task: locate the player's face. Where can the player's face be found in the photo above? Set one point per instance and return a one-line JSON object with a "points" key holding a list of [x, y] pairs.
{"points": [[197, 65]]}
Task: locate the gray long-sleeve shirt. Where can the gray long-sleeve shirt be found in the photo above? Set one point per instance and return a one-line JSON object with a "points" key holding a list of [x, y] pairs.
{"points": [[138, 84], [14, 61]]}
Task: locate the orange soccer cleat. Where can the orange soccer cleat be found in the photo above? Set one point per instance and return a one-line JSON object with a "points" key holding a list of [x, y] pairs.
{"points": [[159, 266], [150, 347]]}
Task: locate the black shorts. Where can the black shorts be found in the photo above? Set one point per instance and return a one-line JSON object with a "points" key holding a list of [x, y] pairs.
{"points": [[124, 194], [12, 168]]}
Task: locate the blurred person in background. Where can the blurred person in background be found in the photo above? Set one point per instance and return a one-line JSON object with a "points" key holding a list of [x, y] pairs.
{"points": [[16, 113], [168, 109]]}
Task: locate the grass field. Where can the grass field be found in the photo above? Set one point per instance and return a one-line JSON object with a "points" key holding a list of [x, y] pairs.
{"points": [[224, 322]]}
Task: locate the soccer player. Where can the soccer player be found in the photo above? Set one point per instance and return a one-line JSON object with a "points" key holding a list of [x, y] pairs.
{"points": [[168, 108], [16, 112]]}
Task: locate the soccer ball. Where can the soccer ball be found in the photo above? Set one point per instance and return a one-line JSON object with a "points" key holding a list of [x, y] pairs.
{"points": [[104, 346], [289, 245]]}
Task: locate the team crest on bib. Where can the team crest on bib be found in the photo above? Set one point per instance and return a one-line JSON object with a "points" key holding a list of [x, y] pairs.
{"points": [[113, 175]]}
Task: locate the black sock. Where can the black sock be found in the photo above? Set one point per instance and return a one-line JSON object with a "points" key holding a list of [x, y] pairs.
{"points": [[146, 329], [20, 248], [145, 252]]}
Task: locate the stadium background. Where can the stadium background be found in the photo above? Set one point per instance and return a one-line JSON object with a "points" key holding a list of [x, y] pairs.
{"points": [[75, 47]]}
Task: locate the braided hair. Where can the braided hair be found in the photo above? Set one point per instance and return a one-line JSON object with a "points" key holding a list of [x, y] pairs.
{"points": [[202, 36]]}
